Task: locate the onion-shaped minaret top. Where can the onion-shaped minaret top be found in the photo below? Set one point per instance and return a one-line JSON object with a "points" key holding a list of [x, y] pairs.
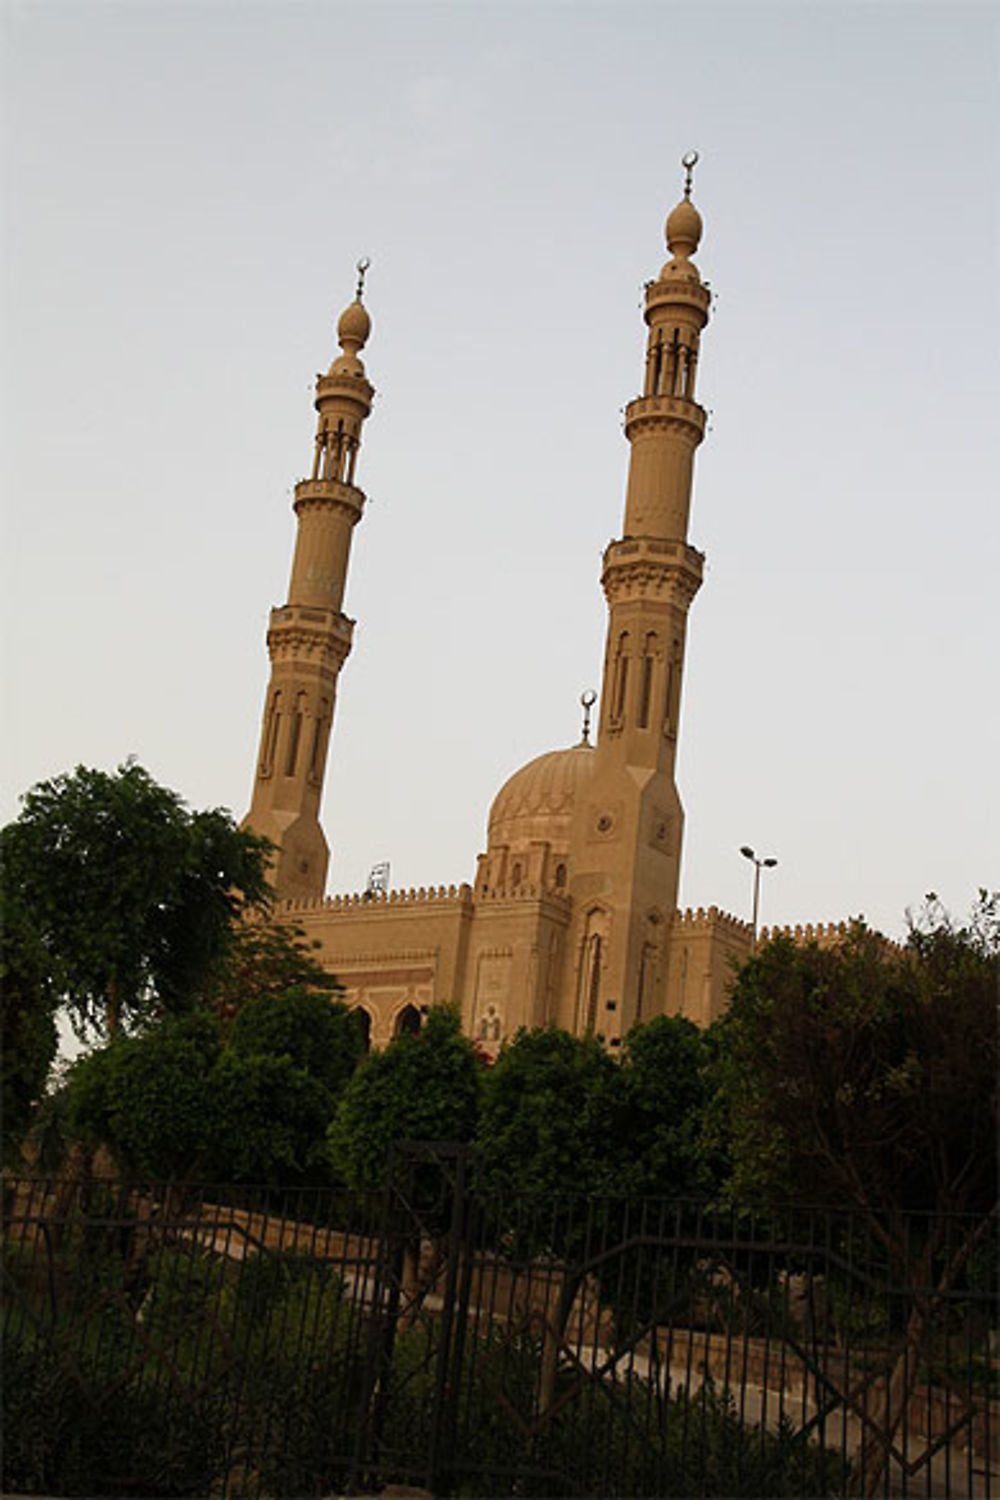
{"points": [[353, 329], [683, 230]]}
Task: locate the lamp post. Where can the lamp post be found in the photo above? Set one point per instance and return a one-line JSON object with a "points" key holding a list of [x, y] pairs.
{"points": [[758, 865]]}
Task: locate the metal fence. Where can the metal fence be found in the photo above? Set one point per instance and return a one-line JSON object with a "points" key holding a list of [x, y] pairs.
{"points": [[172, 1341]]}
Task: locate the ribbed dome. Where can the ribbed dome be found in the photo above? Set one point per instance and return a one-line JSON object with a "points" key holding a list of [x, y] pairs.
{"points": [[538, 800]]}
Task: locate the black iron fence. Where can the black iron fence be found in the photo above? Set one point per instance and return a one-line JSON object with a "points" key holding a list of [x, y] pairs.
{"points": [[173, 1341]]}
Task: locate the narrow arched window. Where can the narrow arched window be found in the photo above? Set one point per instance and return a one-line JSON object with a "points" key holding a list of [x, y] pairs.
{"points": [[363, 1021], [515, 877], [621, 677], [646, 684], [560, 877], [316, 753], [408, 1021], [295, 735], [594, 955], [271, 735]]}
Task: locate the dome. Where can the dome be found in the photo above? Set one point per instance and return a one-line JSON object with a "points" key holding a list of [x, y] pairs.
{"points": [[683, 229], [354, 326], [538, 801]]}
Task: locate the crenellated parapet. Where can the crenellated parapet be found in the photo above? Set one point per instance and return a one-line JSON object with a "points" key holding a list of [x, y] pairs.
{"points": [[824, 934], [436, 895], [692, 921]]}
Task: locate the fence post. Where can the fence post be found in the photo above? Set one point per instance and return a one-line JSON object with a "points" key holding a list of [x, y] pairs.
{"points": [[449, 1358]]}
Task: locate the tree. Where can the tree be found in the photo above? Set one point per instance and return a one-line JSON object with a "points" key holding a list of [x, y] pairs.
{"points": [[318, 1035], [866, 1076], [551, 1114], [148, 1098], [28, 1036], [666, 1065], [267, 957], [180, 1101], [133, 899], [423, 1087]]}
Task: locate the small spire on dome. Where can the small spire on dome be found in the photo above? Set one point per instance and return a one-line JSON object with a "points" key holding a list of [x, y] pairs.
{"points": [[354, 324], [587, 700], [689, 162]]}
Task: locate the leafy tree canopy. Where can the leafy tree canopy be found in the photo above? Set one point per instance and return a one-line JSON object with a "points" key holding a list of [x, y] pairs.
{"points": [[131, 897], [666, 1080], [148, 1098], [551, 1114], [267, 957], [867, 1074], [317, 1035], [424, 1087], [179, 1101]]}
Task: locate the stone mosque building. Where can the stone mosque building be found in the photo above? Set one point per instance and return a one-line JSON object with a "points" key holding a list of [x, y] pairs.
{"points": [[571, 915]]}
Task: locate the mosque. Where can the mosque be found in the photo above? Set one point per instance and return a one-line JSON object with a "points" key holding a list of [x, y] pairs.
{"points": [[571, 917]]}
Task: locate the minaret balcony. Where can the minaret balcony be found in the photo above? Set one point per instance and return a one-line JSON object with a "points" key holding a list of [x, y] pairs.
{"points": [[679, 413], [329, 494], [304, 632], [673, 292], [650, 567]]}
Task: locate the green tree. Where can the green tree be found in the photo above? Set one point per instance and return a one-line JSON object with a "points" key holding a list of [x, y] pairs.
{"points": [[317, 1034], [28, 1036], [423, 1087], [551, 1114], [132, 898], [662, 1148], [267, 957], [148, 1098], [268, 1121], [865, 1076]]}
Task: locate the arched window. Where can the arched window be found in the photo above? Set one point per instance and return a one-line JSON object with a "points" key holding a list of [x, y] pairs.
{"points": [[271, 735], [364, 1025], [649, 653], [595, 954], [560, 877], [515, 876], [295, 734], [316, 753], [621, 677], [407, 1022]]}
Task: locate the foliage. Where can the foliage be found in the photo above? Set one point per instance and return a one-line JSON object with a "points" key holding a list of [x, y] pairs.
{"points": [[268, 1121], [316, 1033], [666, 1083], [551, 1113], [267, 958], [227, 1370], [28, 1036], [133, 897], [149, 1098], [180, 1102], [424, 1087], [67, 1436], [866, 1075]]}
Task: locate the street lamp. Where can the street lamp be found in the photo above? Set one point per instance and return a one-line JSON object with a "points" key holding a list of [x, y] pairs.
{"points": [[758, 865]]}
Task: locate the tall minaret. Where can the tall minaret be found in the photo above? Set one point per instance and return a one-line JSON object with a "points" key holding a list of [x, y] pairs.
{"points": [[627, 842], [308, 638]]}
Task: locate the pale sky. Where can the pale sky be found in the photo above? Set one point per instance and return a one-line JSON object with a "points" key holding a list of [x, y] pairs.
{"points": [[187, 187]]}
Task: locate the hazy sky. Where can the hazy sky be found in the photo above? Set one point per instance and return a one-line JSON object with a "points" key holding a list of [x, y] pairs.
{"points": [[187, 187]]}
